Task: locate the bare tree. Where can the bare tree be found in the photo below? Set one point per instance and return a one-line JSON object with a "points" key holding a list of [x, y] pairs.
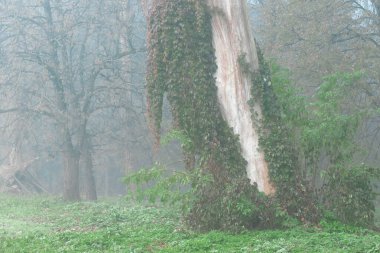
{"points": [[68, 57]]}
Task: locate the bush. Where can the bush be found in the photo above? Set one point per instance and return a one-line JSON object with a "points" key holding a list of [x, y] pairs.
{"points": [[234, 206], [237, 207], [348, 193]]}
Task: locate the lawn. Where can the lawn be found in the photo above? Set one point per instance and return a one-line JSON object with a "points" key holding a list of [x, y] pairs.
{"points": [[45, 224]]}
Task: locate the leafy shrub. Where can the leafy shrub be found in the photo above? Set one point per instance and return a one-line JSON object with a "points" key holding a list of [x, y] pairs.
{"points": [[225, 203], [160, 186], [235, 207], [349, 194], [325, 128]]}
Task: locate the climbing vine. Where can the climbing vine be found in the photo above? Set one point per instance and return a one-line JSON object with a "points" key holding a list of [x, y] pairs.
{"points": [[292, 190], [181, 66]]}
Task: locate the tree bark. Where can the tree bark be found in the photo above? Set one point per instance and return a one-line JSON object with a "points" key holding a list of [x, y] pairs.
{"points": [[70, 155], [71, 174], [232, 38], [88, 173]]}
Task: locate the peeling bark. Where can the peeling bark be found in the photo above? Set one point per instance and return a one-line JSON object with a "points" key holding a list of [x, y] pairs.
{"points": [[232, 37]]}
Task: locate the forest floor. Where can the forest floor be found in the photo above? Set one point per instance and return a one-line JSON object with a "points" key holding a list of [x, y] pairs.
{"points": [[45, 224]]}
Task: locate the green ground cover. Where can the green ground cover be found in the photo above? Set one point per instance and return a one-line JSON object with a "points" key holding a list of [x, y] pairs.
{"points": [[44, 224]]}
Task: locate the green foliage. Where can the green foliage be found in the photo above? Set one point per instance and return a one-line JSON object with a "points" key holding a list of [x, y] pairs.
{"points": [[349, 194], [324, 128], [291, 103], [292, 190], [235, 206], [158, 185], [118, 226], [145, 185], [180, 136], [242, 208], [331, 127], [297, 133]]}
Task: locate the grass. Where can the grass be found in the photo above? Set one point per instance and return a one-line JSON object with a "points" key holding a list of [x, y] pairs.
{"points": [[43, 224]]}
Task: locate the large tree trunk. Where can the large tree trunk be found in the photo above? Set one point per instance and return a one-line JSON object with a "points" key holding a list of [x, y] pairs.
{"points": [[71, 174], [233, 38], [70, 154], [88, 173]]}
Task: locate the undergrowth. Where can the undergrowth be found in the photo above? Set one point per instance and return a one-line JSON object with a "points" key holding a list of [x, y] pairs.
{"points": [[45, 224]]}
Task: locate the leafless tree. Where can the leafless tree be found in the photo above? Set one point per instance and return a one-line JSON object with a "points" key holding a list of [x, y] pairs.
{"points": [[67, 70]]}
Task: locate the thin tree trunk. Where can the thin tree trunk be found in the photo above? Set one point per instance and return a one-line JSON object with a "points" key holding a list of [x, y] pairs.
{"points": [[232, 38]]}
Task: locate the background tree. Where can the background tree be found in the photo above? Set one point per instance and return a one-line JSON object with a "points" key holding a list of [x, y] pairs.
{"points": [[67, 73]]}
